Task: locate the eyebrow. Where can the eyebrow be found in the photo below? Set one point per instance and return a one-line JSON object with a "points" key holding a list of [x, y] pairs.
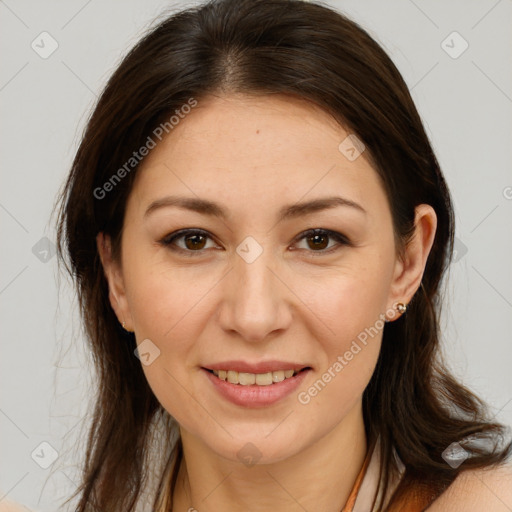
{"points": [[213, 209]]}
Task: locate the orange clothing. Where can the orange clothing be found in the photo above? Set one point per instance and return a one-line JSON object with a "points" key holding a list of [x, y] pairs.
{"points": [[362, 495]]}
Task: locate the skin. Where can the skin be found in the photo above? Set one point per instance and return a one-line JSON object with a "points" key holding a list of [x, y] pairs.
{"points": [[487, 489], [253, 155]]}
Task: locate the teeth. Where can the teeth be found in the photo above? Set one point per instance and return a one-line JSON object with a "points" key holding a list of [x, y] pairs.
{"points": [[232, 377], [278, 376], [248, 379], [264, 379]]}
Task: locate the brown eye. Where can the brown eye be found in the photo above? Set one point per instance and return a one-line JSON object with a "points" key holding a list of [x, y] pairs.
{"points": [[320, 241], [317, 241], [194, 241]]}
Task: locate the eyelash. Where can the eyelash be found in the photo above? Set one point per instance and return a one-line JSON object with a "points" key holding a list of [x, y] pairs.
{"points": [[168, 240]]}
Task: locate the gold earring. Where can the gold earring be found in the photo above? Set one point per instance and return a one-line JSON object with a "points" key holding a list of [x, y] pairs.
{"points": [[127, 330], [401, 308]]}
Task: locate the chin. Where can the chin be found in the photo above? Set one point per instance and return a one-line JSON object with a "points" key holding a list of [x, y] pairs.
{"points": [[253, 450]]}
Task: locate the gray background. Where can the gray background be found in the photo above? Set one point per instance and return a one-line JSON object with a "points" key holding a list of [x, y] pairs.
{"points": [[465, 103]]}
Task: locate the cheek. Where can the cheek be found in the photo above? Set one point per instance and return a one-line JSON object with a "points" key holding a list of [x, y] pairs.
{"points": [[352, 307], [164, 314], [168, 311], [350, 301], [161, 298], [350, 352]]}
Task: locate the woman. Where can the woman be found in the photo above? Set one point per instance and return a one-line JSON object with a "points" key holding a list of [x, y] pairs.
{"points": [[258, 229]]}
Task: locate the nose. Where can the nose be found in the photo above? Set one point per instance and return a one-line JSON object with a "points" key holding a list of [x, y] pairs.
{"points": [[256, 304]]}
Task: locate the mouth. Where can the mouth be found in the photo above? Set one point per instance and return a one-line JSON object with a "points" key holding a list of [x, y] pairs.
{"points": [[258, 379], [255, 390]]}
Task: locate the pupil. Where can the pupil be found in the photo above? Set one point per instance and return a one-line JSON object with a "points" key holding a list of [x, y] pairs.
{"points": [[316, 238], [193, 245]]}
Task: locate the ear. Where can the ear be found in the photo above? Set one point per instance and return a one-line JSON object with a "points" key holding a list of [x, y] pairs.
{"points": [[410, 266], [114, 276]]}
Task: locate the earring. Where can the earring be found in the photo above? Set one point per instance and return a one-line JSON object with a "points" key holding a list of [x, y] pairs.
{"points": [[127, 330], [401, 308]]}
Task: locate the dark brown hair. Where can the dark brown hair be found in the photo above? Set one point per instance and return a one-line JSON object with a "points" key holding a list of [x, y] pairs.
{"points": [[304, 50]]}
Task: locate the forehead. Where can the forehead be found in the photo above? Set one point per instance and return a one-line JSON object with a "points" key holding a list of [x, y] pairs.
{"points": [[241, 149]]}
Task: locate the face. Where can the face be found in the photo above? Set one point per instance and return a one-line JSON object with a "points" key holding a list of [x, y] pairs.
{"points": [[254, 289]]}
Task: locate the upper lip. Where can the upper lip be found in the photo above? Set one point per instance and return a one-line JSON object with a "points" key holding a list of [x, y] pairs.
{"points": [[261, 367]]}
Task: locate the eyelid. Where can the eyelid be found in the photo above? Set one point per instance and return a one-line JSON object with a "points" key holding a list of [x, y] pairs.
{"points": [[341, 239], [167, 240]]}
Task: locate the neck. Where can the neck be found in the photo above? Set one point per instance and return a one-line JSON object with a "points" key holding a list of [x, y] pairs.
{"points": [[320, 477]]}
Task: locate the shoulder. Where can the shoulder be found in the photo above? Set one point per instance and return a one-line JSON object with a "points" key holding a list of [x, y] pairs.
{"points": [[475, 490], [11, 506]]}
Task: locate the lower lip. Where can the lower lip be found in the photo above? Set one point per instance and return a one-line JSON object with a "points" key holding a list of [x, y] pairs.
{"points": [[254, 395]]}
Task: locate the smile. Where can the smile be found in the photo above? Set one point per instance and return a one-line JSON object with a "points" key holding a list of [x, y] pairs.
{"points": [[255, 389], [260, 379]]}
